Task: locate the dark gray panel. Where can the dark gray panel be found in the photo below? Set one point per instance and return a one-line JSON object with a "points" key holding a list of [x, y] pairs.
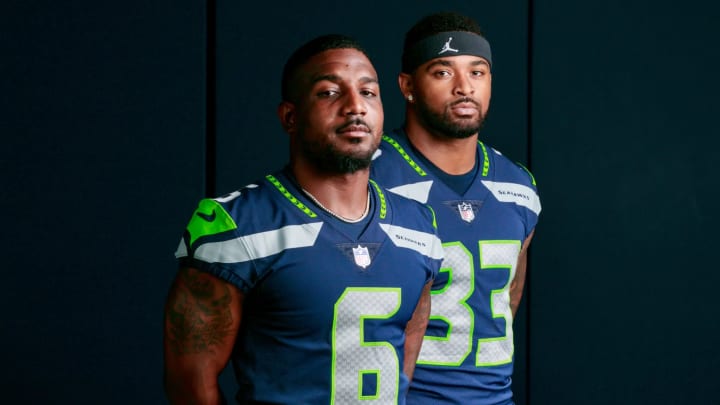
{"points": [[102, 161], [624, 308]]}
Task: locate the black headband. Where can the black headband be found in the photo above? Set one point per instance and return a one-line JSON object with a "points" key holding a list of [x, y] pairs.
{"points": [[450, 43]]}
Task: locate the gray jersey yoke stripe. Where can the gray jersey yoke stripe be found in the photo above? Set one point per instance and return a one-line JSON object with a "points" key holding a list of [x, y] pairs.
{"points": [[259, 245]]}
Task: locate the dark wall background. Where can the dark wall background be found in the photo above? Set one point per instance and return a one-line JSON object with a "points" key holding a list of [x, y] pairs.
{"points": [[102, 129], [625, 271], [106, 111]]}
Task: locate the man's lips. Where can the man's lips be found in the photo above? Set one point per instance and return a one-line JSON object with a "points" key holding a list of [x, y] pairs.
{"points": [[354, 129], [465, 107]]}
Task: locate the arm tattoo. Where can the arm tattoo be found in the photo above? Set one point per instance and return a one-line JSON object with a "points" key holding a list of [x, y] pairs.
{"points": [[199, 315]]}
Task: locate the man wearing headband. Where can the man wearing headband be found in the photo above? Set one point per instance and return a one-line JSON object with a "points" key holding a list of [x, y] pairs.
{"points": [[486, 208], [313, 281]]}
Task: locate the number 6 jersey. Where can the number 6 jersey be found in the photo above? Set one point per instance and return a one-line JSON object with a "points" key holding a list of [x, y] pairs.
{"points": [[325, 310], [467, 353]]}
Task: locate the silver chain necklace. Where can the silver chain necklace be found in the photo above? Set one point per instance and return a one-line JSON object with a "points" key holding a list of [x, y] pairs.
{"points": [[340, 217]]}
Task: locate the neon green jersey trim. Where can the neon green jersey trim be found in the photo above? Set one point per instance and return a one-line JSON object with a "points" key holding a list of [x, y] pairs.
{"points": [[432, 211], [304, 208], [210, 218], [420, 171], [404, 155], [486, 161], [383, 203], [528, 172]]}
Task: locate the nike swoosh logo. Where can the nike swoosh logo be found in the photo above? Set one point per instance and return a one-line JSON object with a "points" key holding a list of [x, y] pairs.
{"points": [[209, 218]]}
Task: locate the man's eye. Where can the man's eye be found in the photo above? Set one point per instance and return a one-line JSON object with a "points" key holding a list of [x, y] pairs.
{"points": [[368, 93], [327, 93]]}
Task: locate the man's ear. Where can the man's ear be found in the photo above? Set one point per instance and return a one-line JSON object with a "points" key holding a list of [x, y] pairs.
{"points": [[406, 86], [286, 114]]}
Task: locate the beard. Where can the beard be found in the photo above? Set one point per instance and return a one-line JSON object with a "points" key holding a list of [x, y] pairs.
{"points": [[329, 159], [443, 124]]}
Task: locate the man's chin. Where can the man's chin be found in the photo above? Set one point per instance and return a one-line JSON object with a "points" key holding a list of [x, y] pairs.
{"points": [[350, 165], [462, 131]]}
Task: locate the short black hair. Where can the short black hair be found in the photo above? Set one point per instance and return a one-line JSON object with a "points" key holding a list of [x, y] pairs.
{"points": [[440, 22], [308, 50]]}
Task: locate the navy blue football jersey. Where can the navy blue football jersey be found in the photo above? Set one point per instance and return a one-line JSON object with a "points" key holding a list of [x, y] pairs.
{"points": [[324, 313], [467, 353]]}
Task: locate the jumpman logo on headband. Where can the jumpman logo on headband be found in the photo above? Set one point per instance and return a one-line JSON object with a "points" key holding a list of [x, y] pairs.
{"points": [[446, 47]]}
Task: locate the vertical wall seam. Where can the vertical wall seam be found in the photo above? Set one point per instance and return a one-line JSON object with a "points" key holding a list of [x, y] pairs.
{"points": [[528, 276], [210, 99]]}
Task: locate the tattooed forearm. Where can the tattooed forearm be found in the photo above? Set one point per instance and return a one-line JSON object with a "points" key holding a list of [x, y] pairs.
{"points": [[198, 315]]}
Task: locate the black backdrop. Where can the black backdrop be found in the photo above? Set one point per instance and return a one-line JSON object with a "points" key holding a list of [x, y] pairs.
{"points": [[108, 111]]}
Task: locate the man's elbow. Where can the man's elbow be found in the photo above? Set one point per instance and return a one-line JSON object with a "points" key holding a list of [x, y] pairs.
{"points": [[191, 387]]}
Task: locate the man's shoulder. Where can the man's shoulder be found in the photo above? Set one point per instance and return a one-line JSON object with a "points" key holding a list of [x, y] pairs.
{"points": [[394, 145], [243, 198], [258, 204], [508, 170], [395, 162]]}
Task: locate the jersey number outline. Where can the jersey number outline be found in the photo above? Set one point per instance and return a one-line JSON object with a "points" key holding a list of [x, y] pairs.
{"points": [[450, 306], [353, 358]]}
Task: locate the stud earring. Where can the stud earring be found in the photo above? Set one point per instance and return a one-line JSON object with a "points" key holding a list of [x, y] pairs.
{"points": [[410, 97]]}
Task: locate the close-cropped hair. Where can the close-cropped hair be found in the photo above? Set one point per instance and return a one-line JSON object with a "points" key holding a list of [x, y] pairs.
{"points": [[309, 49], [437, 23]]}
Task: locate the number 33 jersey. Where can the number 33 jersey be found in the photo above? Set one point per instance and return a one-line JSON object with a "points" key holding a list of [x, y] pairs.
{"points": [[467, 353], [324, 310]]}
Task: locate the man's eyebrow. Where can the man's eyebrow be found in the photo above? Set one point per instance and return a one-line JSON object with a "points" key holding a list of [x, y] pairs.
{"points": [[480, 62], [336, 79], [330, 78], [446, 62], [442, 62], [368, 79]]}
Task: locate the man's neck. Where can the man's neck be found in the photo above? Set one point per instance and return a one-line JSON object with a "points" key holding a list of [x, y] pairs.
{"points": [[451, 155], [343, 194]]}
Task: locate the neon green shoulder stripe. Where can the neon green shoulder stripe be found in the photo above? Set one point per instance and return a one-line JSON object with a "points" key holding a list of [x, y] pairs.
{"points": [[528, 172], [383, 203], [432, 211], [404, 154], [420, 171], [486, 161], [210, 218], [275, 182]]}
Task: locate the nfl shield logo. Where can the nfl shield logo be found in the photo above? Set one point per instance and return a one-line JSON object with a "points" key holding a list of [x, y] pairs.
{"points": [[466, 212], [362, 256]]}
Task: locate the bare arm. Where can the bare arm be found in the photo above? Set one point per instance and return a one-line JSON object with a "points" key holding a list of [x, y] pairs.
{"points": [[518, 283], [202, 317], [415, 331]]}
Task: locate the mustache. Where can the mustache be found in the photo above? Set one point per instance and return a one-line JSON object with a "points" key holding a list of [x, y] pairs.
{"points": [[359, 122], [464, 100]]}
